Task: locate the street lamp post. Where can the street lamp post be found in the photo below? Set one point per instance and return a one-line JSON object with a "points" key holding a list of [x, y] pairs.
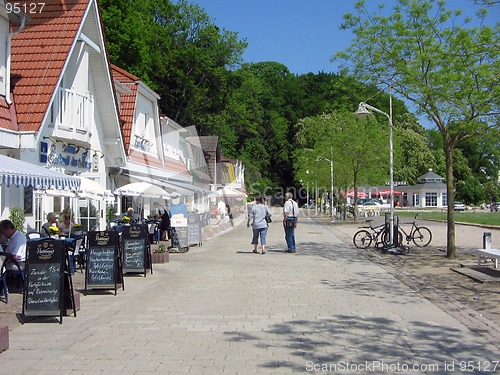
{"points": [[316, 197], [363, 111], [331, 182], [307, 197]]}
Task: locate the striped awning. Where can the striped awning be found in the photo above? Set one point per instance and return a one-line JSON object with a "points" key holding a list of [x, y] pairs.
{"points": [[20, 173]]}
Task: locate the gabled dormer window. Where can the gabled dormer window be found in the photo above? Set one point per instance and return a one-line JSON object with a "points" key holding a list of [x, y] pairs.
{"points": [[142, 143]]}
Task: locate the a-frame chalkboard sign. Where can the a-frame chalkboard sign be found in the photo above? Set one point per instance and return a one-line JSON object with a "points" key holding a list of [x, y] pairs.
{"points": [[194, 229], [136, 256], [103, 270], [44, 289]]}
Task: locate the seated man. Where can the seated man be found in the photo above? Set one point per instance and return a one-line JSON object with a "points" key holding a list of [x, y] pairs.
{"points": [[51, 222], [16, 244], [129, 216]]}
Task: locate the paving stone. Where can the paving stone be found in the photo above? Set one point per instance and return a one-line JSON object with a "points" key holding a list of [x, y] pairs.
{"points": [[221, 309]]}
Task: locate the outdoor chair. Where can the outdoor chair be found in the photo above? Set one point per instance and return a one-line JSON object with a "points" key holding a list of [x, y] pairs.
{"points": [[4, 290], [17, 271], [33, 235], [74, 258]]}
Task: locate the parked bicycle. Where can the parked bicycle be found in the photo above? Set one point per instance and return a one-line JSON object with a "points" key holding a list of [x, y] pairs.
{"points": [[363, 239], [421, 236]]}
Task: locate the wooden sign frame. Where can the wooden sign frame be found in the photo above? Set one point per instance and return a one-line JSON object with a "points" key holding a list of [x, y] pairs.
{"points": [[44, 289], [103, 268], [136, 257]]}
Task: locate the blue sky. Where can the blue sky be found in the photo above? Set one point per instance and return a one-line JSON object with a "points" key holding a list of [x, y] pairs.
{"points": [[303, 35]]}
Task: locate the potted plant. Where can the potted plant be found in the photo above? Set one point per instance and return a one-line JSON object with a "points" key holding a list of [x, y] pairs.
{"points": [[77, 228], [54, 231], [160, 254]]}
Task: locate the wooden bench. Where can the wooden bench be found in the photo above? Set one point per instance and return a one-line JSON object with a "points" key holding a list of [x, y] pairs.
{"points": [[488, 253]]}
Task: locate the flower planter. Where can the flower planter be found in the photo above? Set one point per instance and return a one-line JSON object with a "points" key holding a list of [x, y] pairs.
{"points": [[160, 257]]}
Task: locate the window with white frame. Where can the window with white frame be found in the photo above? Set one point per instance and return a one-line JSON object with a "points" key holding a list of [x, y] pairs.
{"points": [[444, 199], [416, 200], [144, 133], [430, 199]]}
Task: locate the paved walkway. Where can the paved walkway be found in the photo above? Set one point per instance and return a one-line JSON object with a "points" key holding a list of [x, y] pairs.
{"points": [[220, 309]]}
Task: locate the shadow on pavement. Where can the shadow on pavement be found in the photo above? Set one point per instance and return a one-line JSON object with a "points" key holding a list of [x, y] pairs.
{"points": [[358, 340]]}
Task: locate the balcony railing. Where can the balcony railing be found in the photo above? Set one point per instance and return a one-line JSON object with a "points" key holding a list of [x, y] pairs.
{"points": [[72, 114]]}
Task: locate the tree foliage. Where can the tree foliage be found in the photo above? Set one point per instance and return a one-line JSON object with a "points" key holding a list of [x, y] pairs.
{"points": [[433, 58], [257, 109], [176, 50], [357, 149]]}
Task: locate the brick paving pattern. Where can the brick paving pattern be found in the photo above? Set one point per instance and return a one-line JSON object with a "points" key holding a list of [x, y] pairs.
{"points": [[220, 309]]}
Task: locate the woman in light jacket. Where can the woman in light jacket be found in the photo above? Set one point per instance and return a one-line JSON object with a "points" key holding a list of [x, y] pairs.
{"points": [[257, 218]]}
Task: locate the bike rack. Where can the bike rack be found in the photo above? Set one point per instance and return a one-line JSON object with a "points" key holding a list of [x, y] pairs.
{"points": [[395, 247]]}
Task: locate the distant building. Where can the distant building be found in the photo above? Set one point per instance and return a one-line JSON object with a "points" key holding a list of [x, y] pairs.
{"points": [[430, 191]]}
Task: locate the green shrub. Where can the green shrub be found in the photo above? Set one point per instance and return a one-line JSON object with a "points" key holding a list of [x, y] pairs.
{"points": [[17, 217]]}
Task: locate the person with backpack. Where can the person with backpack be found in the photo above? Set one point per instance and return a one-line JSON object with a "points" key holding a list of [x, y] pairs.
{"points": [[290, 218]]}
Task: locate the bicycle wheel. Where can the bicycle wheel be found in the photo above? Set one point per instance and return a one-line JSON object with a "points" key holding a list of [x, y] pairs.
{"points": [[386, 238], [362, 239], [422, 236]]}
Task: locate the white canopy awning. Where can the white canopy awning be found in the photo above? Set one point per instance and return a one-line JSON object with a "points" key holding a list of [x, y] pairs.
{"points": [[142, 189], [189, 187], [20, 173], [227, 192], [89, 189]]}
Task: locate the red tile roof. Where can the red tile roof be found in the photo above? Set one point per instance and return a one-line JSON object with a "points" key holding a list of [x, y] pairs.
{"points": [[171, 165], [127, 102], [145, 159], [38, 56], [123, 76], [7, 116], [177, 166]]}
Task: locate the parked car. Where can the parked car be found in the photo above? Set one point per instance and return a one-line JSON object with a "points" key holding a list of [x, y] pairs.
{"points": [[495, 207], [459, 206], [369, 202]]}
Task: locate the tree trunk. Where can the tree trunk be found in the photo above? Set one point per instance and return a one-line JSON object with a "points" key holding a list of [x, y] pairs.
{"points": [[355, 183], [450, 188]]}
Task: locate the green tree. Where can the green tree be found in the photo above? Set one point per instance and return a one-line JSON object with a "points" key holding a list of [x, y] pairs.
{"points": [[433, 58], [492, 191], [358, 149], [412, 155], [175, 49]]}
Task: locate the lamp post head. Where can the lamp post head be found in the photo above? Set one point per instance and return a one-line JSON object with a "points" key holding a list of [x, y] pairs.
{"points": [[362, 111]]}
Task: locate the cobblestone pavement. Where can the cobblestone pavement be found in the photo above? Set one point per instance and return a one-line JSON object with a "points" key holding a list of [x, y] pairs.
{"points": [[428, 272], [220, 309]]}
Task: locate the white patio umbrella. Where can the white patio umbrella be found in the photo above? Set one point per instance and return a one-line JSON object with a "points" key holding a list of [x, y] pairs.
{"points": [[142, 189], [93, 190]]}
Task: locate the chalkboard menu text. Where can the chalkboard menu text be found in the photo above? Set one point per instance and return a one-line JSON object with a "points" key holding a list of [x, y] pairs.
{"points": [[134, 248], [102, 255], [194, 229], [43, 295]]}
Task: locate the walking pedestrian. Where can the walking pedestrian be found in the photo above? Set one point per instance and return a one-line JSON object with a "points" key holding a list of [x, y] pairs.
{"points": [[257, 218], [290, 218], [230, 215], [164, 226]]}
